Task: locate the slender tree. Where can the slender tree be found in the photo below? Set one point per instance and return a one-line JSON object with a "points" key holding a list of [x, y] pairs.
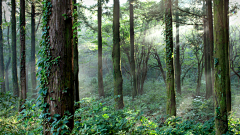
{"points": [[178, 66], [2, 82], [132, 61], [226, 31], [33, 59], [14, 52], [100, 74], [60, 83], [208, 52], [117, 74], [171, 102], [23, 54], [220, 43], [75, 55]]}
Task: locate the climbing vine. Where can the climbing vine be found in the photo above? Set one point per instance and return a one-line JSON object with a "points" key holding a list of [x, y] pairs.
{"points": [[45, 60]]}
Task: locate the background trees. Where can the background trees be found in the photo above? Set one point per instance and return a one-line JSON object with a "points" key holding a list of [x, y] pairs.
{"points": [[134, 32]]}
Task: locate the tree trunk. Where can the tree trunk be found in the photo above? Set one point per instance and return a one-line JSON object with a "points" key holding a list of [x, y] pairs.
{"points": [[117, 74], [23, 55], [132, 63], [100, 74], [227, 56], [2, 82], [178, 66], [171, 101], [221, 121], [75, 55], [14, 52], [58, 31], [33, 59]]}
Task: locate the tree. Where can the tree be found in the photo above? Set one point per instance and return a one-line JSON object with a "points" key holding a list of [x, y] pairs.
{"points": [[58, 89], [171, 101], [23, 54], [220, 44], [132, 61], [117, 74], [2, 82], [14, 52], [75, 55], [100, 74], [178, 66], [33, 35], [210, 47]]}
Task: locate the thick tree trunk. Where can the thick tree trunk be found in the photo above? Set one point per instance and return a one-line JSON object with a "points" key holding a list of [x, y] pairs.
{"points": [[178, 65], [117, 74], [14, 52], [33, 59], [132, 61], [60, 94], [23, 55], [171, 101], [221, 121], [2, 82], [100, 74], [75, 55]]}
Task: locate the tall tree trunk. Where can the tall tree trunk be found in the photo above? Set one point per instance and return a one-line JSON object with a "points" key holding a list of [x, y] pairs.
{"points": [[171, 101], [23, 55], [221, 121], [178, 66], [58, 31], [227, 55], [75, 55], [209, 90], [14, 52], [116, 57], [33, 59], [2, 82], [132, 63], [100, 74], [210, 41]]}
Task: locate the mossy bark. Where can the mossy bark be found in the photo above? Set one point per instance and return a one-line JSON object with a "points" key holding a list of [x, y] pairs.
{"points": [[132, 61], [221, 121], [23, 55], [116, 58], [100, 74], [60, 94], [171, 101], [2, 82], [14, 52]]}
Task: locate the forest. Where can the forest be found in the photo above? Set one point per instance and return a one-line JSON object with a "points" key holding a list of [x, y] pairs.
{"points": [[119, 67]]}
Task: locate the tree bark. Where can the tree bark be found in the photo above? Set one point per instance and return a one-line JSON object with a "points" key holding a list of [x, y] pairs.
{"points": [[60, 94], [33, 59], [14, 52], [2, 79], [100, 74], [23, 55], [178, 66], [221, 121], [117, 74], [132, 61], [171, 101]]}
